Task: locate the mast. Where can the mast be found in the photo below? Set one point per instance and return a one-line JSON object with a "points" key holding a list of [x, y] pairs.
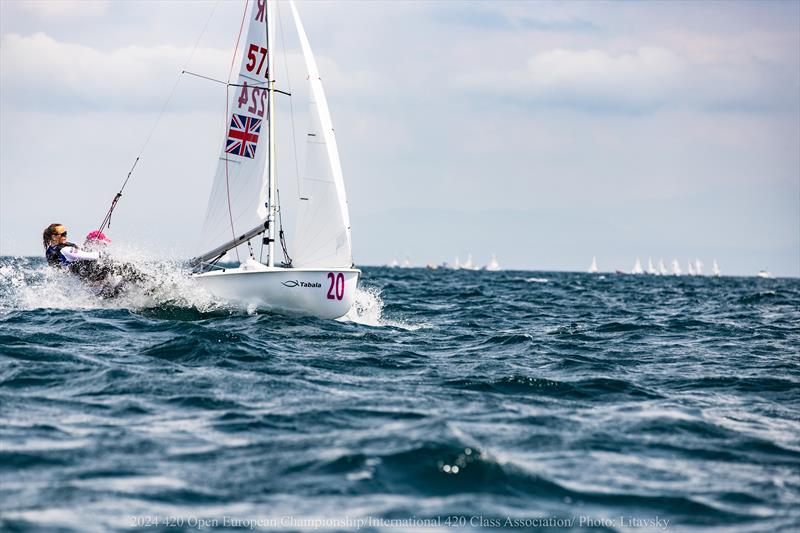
{"points": [[272, 176]]}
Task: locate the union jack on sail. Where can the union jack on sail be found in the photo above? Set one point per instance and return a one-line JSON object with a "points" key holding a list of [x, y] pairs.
{"points": [[243, 136]]}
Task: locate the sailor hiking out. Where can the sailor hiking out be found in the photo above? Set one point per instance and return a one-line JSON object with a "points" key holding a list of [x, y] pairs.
{"points": [[104, 277]]}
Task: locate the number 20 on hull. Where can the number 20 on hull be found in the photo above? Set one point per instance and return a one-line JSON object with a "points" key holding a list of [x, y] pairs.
{"points": [[335, 286]]}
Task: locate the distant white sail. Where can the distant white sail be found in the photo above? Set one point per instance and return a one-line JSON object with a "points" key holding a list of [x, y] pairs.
{"points": [[593, 266], [676, 268], [650, 268], [698, 267], [637, 267], [662, 267], [493, 265], [468, 264], [715, 269], [690, 268]]}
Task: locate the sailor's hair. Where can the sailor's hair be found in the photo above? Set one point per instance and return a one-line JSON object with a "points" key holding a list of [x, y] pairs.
{"points": [[48, 233]]}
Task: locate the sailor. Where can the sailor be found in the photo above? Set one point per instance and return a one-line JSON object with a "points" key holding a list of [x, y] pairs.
{"points": [[62, 253], [95, 271], [105, 267], [89, 265], [96, 240]]}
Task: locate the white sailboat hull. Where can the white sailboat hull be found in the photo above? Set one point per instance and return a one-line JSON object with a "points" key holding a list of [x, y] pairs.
{"points": [[323, 293]]}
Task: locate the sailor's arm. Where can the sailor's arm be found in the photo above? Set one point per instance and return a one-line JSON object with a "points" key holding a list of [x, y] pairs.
{"points": [[74, 254]]}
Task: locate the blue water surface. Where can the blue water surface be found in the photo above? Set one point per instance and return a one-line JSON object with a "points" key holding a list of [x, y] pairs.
{"points": [[448, 400]]}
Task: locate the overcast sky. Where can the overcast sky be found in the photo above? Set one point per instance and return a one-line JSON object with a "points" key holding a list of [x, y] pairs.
{"points": [[546, 133]]}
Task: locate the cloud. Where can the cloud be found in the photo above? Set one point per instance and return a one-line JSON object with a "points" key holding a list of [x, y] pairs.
{"points": [[40, 72], [65, 8], [641, 79], [498, 20]]}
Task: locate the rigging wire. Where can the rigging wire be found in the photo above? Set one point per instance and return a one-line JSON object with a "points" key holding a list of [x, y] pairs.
{"points": [[251, 85], [107, 218], [204, 77], [281, 234]]}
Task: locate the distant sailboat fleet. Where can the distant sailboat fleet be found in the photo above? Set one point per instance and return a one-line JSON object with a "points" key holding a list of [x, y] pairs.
{"points": [[491, 266], [660, 268], [693, 268]]}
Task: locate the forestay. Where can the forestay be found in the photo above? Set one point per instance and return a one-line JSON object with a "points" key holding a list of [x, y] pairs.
{"points": [[323, 221], [239, 191]]}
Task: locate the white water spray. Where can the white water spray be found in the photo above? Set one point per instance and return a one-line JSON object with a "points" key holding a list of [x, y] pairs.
{"points": [[368, 310], [29, 284]]}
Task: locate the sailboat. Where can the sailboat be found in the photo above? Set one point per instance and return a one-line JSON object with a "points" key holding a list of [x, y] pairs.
{"points": [[493, 265], [651, 269], [676, 267], [690, 268], [318, 278], [593, 266], [468, 264], [637, 267], [715, 269], [662, 267]]}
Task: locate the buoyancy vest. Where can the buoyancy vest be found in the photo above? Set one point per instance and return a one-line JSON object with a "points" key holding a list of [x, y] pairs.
{"points": [[54, 256]]}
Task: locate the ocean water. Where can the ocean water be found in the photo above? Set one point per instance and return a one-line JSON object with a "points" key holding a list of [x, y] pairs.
{"points": [[451, 401]]}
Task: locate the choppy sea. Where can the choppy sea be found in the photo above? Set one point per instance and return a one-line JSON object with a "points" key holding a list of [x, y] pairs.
{"points": [[446, 401]]}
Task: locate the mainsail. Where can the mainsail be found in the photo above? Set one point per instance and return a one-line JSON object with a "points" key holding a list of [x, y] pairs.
{"points": [[323, 222], [239, 192]]}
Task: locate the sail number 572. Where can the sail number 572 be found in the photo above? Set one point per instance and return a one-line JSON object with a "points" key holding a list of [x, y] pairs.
{"points": [[252, 58], [336, 288]]}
